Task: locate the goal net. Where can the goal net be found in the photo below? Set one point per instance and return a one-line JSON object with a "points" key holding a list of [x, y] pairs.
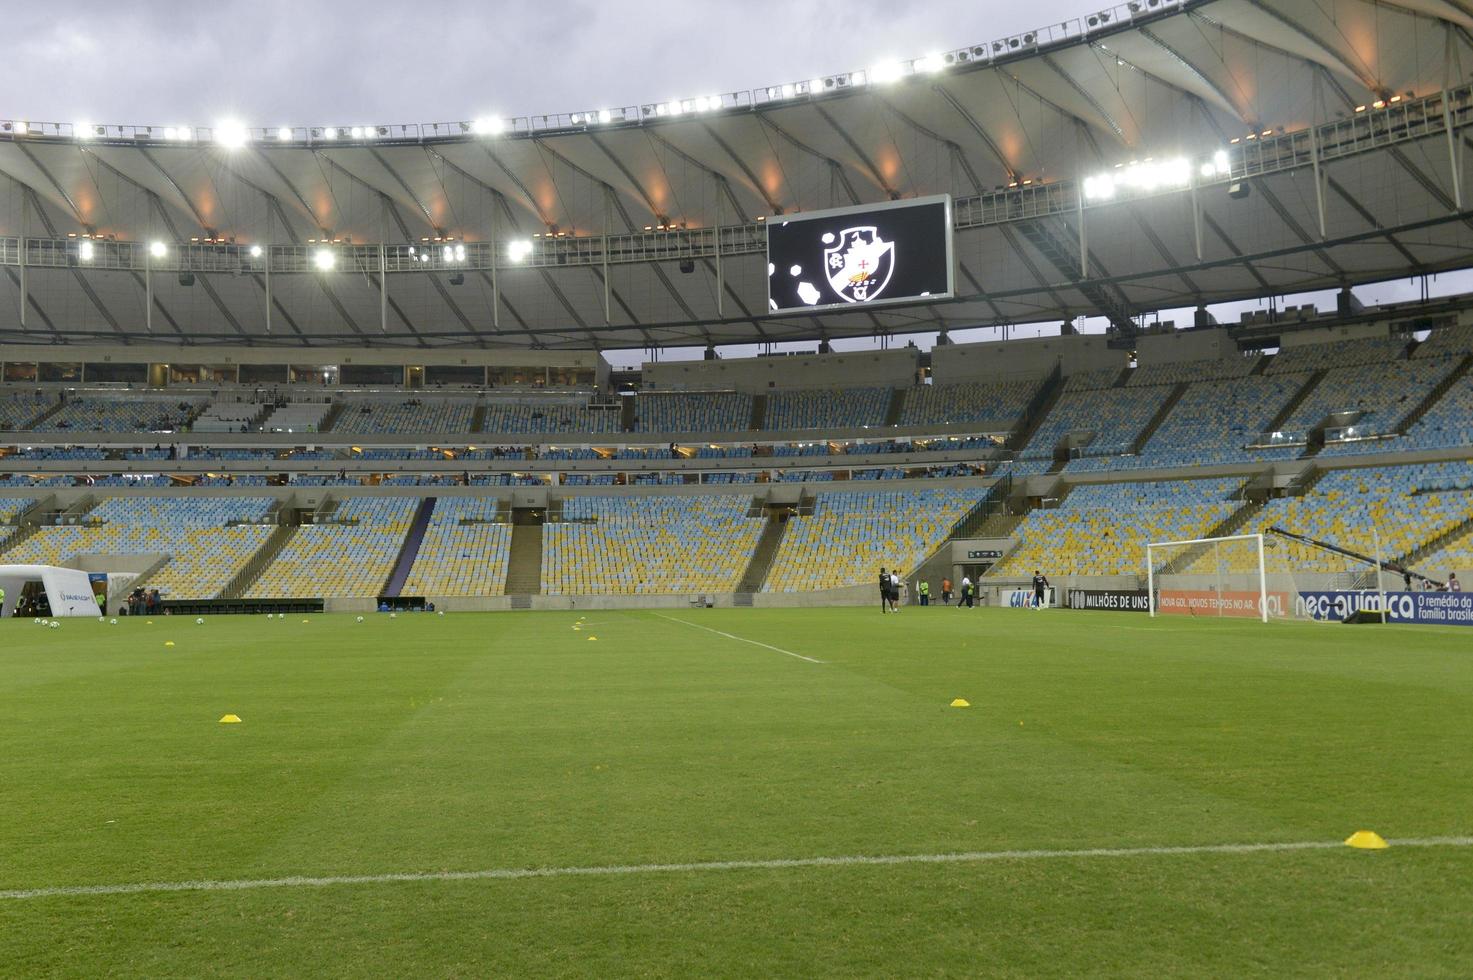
{"points": [[1222, 577], [1276, 574]]}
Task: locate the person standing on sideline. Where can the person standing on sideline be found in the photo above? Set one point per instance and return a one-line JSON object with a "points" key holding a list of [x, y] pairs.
{"points": [[2, 601], [923, 590], [884, 591], [895, 590], [945, 591], [1040, 582], [964, 598], [1453, 585]]}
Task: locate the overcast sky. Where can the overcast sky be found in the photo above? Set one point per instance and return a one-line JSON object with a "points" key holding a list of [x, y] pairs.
{"points": [[274, 62]]}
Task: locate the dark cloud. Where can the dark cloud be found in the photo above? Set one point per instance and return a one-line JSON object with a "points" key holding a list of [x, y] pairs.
{"points": [[270, 62]]}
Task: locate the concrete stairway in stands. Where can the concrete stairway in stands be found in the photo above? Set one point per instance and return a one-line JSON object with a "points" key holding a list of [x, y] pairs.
{"points": [[759, 412], [247, 576], [410, 549], [897, 407], [524, 561], [767, 544]]}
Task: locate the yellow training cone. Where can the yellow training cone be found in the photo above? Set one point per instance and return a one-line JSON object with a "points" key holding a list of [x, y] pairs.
{"points": [[230, 720], [1367, 840], [168, 643], [592, 638], [961, 703]]}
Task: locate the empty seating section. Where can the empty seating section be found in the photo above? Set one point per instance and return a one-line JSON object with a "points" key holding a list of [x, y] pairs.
{"points": [[229, 416], [1315, 357], [724, 411], [1212, 423], [548, 416], [1402, 507], [1447, 342], [838, 408], [1115, 415], [1385, 392], [387, 415], [1094, 379], [1103, 529], [12, 507], [1177, 372], [649, 545], [206, 539], [18, 409], [1002, 402], [350, 556], [850, 536], [464, 550], [297, 417], [1448, 423], [93, 414]]}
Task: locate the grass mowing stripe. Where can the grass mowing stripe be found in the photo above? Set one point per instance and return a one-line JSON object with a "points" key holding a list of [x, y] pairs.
{"points": [[512, 874], [739, 639]]}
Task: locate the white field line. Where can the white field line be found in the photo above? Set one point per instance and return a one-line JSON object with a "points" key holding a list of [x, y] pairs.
{"points": [[740, 639], [616, 870]]}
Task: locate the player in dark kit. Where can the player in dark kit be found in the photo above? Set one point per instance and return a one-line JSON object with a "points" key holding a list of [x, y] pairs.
{"points": [[884, 591], [1040, 582]]}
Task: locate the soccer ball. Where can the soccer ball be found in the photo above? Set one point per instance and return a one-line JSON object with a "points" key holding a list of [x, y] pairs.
{"points": [[360, 619], [393, 615], [113, 622], [270, 616], [439, 612], [200, 621], [37, 621], [102, 619], [55, 624]]}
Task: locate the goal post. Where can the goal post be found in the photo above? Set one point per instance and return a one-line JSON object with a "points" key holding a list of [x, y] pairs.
{"points": [[1224, 576]]}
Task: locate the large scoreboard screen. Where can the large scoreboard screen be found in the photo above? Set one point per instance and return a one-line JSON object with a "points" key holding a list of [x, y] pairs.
{"points": [[860, 256]]}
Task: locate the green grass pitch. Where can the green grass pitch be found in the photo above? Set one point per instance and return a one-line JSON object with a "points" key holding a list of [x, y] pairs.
{"points": [[468, 742]]}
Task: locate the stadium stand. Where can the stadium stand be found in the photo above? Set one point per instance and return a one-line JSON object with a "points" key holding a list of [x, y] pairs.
{"points": [[548, 415], [1316, 357], [1212, 423], [1385, 392], [414, 415], [1093, 380], [725, 411], [839, 408], [206, 539], [1103, 529], [1115, 415], [297, 417], [649, 545], [230, 416], [20, 409], [95, 414], [1002, 402], [350, 555], [1176, 372], [849, 536], [464, 551]]}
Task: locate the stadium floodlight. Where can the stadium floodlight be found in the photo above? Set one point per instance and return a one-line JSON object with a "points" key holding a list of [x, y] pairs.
{"points": [[789, 90], [1144, 176], [330, 133], [356, 132], [170, 133], [83, 130], [84, 251], [886, 72], [930, 63], [255, 251], [605, 115], [460, 253], [21, 128], [284, 134], [519, 249], [815, 86], [157, 249], [324, 260], [232, 134], [488, 126]]}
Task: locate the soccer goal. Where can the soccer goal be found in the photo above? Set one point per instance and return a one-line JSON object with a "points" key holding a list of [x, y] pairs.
{"points": [[1223, 577]]}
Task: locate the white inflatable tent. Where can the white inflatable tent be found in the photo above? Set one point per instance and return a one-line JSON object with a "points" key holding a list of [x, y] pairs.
{"points": [[67, 589]]}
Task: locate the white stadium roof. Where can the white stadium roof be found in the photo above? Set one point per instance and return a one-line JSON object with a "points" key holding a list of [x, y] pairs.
{"points": [[1339, 119]]}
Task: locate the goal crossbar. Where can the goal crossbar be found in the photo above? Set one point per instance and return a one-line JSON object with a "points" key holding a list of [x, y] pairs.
{"points": [[1257, 540]]}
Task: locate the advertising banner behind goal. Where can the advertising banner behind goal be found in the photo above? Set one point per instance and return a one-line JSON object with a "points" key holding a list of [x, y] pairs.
{"points": [[1212, 602]]}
